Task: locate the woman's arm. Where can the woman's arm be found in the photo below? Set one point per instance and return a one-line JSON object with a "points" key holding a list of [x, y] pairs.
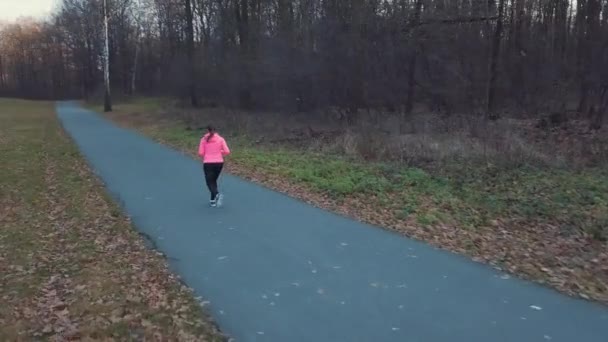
{"points": [[225, 148], [201, 148]]}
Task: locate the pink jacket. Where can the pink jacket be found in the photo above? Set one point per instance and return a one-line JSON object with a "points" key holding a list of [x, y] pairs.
{"points": [[214, 150]]}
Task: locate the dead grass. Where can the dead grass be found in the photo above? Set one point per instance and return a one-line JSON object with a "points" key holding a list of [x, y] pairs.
{"points": [[71, 265], [426, 140]]}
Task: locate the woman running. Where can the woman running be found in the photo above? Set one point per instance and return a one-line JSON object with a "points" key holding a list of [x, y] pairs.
{"points": [[212, 150]]}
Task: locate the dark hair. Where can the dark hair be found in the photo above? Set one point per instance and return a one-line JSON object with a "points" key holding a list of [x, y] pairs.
{"points": [[211, 131]]}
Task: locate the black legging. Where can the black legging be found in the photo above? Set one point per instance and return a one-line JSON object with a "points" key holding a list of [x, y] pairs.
{"points": [[212, 173]]}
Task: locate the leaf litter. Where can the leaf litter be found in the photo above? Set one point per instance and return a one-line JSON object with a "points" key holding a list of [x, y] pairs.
{"points": [[71, 265]]}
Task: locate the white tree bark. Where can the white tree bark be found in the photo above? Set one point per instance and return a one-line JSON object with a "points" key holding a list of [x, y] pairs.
{"points": [[135, 59], [106, 61]]}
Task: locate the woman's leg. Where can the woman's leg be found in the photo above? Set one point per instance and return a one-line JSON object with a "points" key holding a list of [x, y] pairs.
{"points": [[217, 168], [212, 173], [219, 198], [210, 179]]}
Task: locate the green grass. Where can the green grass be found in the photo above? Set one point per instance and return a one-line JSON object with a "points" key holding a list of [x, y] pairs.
{"points": [[574, 199], [466, 196]]}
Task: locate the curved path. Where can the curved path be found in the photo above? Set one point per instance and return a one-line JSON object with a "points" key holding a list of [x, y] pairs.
{"points": [[275, 269]]}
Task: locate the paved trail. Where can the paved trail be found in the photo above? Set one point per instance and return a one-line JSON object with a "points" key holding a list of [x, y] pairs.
{"points": [[276, 269]]}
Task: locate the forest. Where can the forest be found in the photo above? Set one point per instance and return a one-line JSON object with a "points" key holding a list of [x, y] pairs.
{"points": [[484, 58]]}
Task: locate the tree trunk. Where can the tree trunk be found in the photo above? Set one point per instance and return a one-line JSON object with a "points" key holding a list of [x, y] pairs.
{"points": [[107, 103], [411, 76], [492, 77], [135, 65], [190, 48], [582, 54], [517, 73], [1, 73], [243, 29]]}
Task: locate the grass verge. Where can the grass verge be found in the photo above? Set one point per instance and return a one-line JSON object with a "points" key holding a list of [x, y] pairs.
{"points": [[547, 225], [71, 266]]}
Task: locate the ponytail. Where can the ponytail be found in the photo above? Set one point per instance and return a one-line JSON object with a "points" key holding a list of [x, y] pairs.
{"points": [[211, 131]]}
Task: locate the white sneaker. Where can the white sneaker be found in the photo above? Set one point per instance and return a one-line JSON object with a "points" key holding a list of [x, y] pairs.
{"points": [[219, 200]]}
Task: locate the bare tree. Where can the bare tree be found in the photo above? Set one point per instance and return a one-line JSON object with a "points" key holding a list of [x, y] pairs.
{"points": [[492, 75], [347, 55], [107, 102], [413, 58], [190, 44]]}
